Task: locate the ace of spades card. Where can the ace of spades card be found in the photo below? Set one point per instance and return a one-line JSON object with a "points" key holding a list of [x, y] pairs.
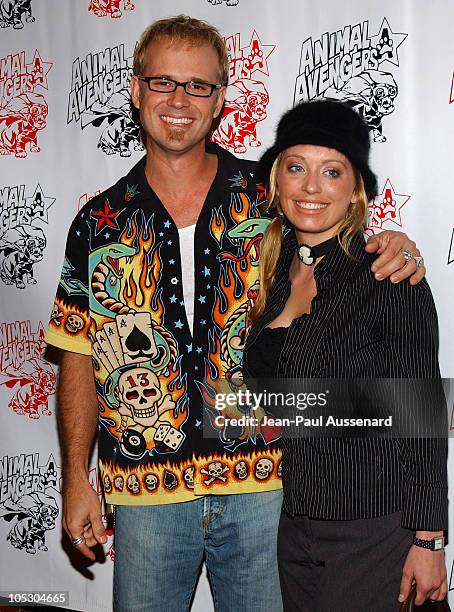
{"points": [[135, 332]]}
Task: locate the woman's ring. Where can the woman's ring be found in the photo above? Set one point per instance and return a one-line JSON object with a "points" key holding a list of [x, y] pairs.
{"points": [[419, 261]]}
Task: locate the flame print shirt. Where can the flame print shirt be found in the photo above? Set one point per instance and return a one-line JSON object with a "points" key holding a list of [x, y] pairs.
{"points": [[120, 299]]}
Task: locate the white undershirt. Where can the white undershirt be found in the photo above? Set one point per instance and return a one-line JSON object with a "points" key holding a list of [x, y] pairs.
{"points": [[186, 235]]}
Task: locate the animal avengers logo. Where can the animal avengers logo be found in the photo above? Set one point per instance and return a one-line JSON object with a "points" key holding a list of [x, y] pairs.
{"points": [[352, 66], [100, 98], [22, 240], [23, 107], [28, 505], [247, 95], [30, 379]]}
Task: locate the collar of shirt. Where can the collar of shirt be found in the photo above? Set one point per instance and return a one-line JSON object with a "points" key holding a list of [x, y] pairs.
{"points": [[136, 188], [335, 267]]}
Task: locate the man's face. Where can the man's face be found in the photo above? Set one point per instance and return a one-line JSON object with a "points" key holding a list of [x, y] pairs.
{"points": [[177, 122]]}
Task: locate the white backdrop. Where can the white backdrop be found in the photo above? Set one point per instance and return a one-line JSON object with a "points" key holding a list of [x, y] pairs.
{"points": [[65, 134]]}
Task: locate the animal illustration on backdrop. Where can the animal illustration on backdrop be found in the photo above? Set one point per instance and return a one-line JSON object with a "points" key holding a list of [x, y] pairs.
{"points": [[228, 2], [21, 247], [245, 106], [372, 94], [33, 515], [103, 8], [20, 121], [119, 129], [36, 381], [12, 11]]}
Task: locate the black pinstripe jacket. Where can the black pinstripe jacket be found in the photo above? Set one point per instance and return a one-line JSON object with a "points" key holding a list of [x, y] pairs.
{"points": [[360, 328]]}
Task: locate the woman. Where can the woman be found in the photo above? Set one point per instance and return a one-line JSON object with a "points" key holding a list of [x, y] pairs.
{"points": [[361, 514]]}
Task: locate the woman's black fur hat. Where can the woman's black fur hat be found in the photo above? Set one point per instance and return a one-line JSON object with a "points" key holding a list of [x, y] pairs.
{"points": [[326, 123]]}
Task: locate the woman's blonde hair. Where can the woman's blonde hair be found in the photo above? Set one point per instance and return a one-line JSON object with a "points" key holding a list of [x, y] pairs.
{"points": [[271, 245]]}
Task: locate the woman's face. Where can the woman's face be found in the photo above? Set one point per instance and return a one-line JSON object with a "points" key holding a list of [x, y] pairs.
{"points": [[315, 187]]}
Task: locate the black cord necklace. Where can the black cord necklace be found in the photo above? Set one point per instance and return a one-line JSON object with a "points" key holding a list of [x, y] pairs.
{"points": [[309, 254]]}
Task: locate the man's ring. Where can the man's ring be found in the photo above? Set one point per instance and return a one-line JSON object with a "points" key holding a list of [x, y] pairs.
{"points": [[77, 541], [419, 261]]}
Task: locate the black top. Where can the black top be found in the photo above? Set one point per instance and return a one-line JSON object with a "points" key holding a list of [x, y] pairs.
{"points": [[360, 328], [266, 352]]}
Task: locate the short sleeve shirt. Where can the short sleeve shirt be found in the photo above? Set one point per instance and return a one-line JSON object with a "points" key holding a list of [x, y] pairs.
{"points": [[120, 299]]}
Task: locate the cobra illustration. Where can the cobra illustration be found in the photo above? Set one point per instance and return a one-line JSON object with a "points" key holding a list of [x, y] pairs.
{"points": [[105, 274], [249, 229], [234, 335]]}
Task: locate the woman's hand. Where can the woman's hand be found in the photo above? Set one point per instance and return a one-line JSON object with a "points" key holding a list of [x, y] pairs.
{"points": [[390, 246], [428, 569]]}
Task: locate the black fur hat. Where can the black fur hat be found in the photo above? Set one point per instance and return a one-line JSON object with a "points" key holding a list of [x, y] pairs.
{"points": [[327, 123]]}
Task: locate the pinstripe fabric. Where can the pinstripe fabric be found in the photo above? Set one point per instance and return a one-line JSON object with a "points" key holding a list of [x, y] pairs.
{"points": [[359, 328]]}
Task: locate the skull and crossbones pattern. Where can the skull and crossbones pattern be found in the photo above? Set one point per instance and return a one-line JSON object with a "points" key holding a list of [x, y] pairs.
{"points": [[151, 482], [241, 470], [74, 323], [107, 484], [133, 484], [140, 397], [56, 315], [188, 476], [215, 471], [263, 468], [119, 483], [279, 469]]}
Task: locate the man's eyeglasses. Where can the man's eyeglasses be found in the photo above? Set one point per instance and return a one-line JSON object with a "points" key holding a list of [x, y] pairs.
{"points": [[193, 88]]}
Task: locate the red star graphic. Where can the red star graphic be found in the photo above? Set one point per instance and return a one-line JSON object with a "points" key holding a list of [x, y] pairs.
{"points": [[262, 193], [256, 56], [106, 217], [386, 208], [38, 70]]}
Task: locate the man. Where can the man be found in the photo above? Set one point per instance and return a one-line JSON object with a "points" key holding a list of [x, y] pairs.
{"points": [[160, 272]]}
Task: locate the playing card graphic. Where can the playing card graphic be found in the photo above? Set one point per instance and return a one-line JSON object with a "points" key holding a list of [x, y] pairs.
{"points": [[107, 349], [111, 332], [101, 355], [136, 337]]}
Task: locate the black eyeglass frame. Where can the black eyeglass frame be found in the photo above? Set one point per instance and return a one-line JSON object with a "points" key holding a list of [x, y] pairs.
{"points": [[183, 84]]}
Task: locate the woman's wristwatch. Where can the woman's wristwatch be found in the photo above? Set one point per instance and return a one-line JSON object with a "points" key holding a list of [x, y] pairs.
{"points": [[433, 544]]}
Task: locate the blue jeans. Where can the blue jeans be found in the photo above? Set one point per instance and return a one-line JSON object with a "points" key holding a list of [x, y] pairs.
{"points": [[159, 551]]}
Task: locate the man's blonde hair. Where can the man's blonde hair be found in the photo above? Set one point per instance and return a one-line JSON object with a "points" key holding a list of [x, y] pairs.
{"points": [[183, 29]]}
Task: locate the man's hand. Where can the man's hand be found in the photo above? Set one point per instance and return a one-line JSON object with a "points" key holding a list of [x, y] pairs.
{"points": [[389, 245], [82, 516], [428, 569]]}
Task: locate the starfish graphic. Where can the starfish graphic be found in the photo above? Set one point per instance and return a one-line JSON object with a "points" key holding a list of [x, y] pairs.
{"points": [[106, 218]]}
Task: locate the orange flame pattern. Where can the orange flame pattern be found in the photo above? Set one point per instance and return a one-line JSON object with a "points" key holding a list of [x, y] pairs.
{"points": [[182, 491], [217, 225], [140, 275]]}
